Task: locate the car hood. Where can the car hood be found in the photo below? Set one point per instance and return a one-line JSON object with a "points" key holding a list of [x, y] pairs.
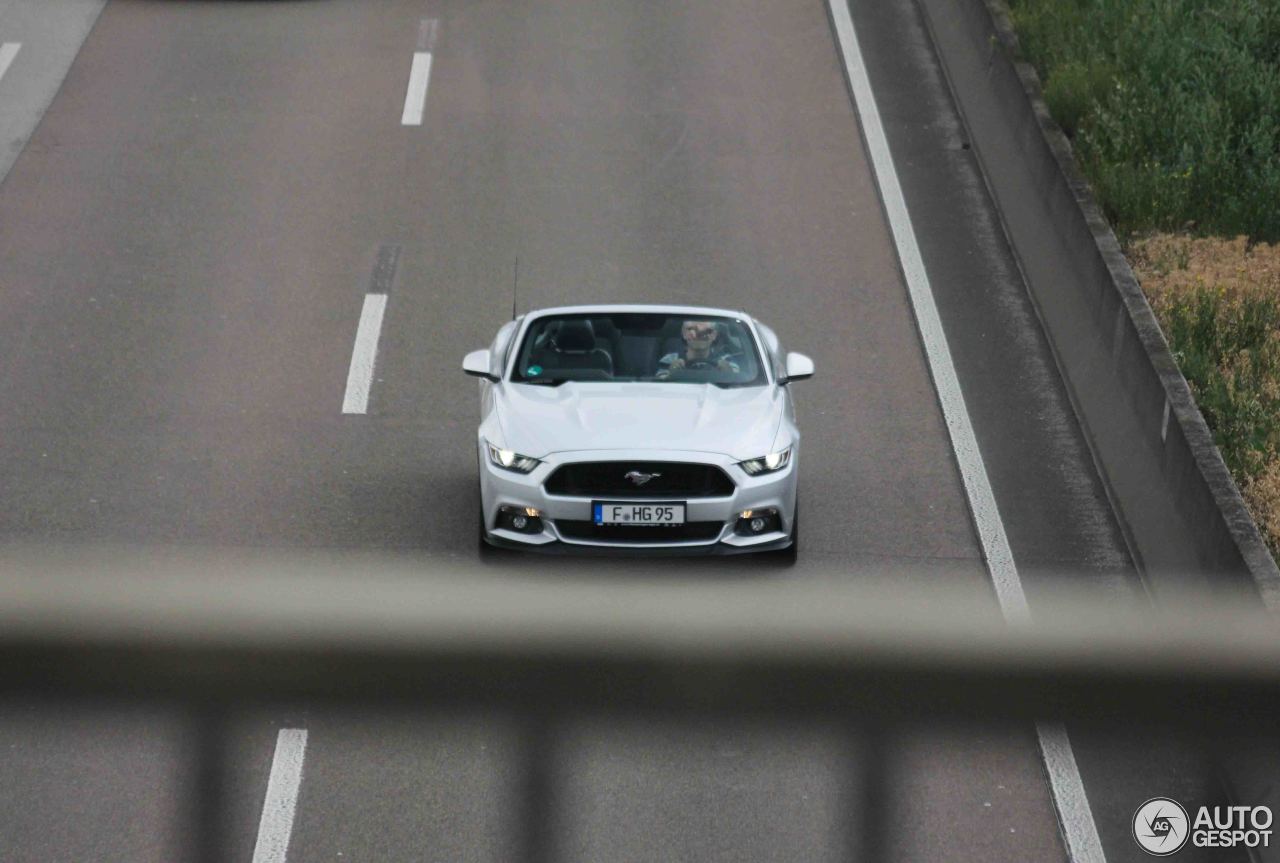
{"points": [[739, 422]]}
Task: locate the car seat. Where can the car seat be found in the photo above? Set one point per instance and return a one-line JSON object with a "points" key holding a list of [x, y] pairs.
{"points": [[574, 347]]}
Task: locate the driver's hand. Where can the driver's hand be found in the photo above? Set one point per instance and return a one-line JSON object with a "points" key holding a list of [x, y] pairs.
{"points": [[724, 365], [677, 363]]}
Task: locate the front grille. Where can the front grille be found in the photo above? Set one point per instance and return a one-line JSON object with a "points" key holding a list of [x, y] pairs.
{"points": [[691, 531], [602, 479]]}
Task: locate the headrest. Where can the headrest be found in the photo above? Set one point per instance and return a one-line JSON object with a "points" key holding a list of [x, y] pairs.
{"points": [[576, 335]]}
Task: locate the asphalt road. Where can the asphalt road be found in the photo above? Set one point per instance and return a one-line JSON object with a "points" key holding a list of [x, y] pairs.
{"points": [[185, 242]]}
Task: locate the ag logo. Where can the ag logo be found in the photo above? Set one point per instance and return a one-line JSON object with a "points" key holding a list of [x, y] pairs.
{"points": [[1160, 826]]}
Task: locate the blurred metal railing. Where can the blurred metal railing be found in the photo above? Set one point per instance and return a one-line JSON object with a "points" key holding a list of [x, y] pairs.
{"points": [[213, 637]]}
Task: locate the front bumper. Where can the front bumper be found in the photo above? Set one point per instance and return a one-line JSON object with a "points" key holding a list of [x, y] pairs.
{"points": [[499, 487]]}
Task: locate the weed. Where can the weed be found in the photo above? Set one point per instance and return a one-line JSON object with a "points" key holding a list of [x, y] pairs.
{"points": [[1219, 304], [1173, 106]]}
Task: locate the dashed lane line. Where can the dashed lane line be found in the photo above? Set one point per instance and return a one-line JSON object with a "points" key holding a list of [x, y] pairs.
{"points": [[8, 51], [364, 354], [415, 97], [276, 826]]}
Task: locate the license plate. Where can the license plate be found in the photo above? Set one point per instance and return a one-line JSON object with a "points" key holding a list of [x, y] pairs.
{"points": [[639, 514]]}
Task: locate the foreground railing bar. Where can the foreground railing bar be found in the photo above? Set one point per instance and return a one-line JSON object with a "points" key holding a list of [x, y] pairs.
{"points": [[879, 687], [191, 633]]}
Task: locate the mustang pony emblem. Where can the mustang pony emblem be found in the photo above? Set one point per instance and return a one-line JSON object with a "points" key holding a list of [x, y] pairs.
{"points": [[640, 478]]}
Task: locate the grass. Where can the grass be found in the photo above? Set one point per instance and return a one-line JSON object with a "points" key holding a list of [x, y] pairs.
{"points": [[1218, 302], [1173, 108]]}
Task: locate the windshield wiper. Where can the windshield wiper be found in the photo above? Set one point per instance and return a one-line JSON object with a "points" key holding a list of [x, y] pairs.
{"points": [[545, 382]]}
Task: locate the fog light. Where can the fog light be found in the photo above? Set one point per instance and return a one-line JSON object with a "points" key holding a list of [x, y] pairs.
{"points": [[752, 522], [521, 519]]}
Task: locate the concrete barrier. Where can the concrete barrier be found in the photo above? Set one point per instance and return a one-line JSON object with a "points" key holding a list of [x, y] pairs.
{"points": [[1179, 508]]}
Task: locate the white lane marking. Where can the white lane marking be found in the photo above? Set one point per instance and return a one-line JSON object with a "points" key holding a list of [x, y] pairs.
{"points": [[427, 29], [986, 516], [360, 375], [1074, 815], [281, 802], [8, 51], [415, 99]]}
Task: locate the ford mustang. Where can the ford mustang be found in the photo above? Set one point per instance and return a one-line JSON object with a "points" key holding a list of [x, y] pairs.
{"points": [[658, 428]]}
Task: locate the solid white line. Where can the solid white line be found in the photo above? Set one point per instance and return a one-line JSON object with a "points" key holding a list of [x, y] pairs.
{"points": [[1074, 815], [995, 545], [281, 802], [360, 375], [415, 99], [8, 51]]}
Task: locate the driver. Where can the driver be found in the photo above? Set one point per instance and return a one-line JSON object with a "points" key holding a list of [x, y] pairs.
{"points": [[700, 352]]}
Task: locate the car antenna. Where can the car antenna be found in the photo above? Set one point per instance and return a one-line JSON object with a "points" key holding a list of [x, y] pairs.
{"points": [[515, 282]]}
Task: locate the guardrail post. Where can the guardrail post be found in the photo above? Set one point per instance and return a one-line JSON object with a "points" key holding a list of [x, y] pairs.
{"points": [[207, 792], [868, 798], [537, 790]]}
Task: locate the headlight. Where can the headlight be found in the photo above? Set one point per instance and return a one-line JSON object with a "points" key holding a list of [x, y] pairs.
{"points": [[508, 460], [767, 463]]}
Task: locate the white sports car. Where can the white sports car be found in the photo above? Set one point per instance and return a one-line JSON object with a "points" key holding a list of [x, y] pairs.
{"points": [[661, 428]]}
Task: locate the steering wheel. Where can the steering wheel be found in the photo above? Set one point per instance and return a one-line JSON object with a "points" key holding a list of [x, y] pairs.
{"points": [[708, 362]]}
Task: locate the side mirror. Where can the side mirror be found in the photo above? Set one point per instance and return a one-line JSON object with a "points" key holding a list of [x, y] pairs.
{"points": [[799, 367], [477, 363]]}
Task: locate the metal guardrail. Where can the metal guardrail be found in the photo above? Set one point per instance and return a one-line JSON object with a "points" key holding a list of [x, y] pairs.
{"points": [[215, 637]]}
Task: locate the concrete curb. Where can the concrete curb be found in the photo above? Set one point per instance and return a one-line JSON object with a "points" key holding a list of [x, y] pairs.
{"points": [[1102, 329]]}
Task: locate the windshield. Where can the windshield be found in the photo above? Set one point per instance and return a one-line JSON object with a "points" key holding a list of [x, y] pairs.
{"points": [[633, 346]]}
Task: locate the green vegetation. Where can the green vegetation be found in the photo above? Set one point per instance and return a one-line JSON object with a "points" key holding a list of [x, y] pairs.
{"points": [[1219, 304], [1227, 354], [1216, 300], [1173, 106]]}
